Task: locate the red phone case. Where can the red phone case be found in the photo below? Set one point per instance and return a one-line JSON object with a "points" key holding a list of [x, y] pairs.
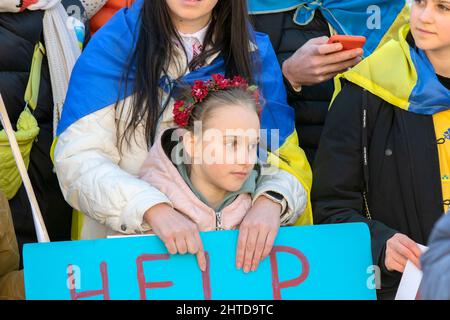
{"points": [[348, 42]]}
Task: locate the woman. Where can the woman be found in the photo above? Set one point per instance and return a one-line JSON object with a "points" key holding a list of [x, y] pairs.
{"points": [[140, 58], [384, 157]]}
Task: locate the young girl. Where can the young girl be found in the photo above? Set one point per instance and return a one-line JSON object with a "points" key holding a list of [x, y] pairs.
{"points": [[213, 180], [385, 152], [139, 58]]}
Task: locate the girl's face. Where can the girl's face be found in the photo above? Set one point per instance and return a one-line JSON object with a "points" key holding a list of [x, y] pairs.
{"points": [[228, 148], [430, 24], [191, 11]]}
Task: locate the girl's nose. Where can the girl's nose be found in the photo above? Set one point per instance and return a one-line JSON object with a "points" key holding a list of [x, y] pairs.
{"points": [[427, 14]]}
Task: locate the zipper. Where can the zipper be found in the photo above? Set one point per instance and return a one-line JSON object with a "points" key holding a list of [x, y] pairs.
{"points": [[219, 220]]}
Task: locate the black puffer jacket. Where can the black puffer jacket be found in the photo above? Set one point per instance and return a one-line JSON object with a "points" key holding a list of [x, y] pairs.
{"points": [[311, 104], [19, 32]]}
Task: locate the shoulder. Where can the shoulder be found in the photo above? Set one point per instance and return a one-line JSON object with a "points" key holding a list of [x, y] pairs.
{"points": [[348, 105], [353, 95]]}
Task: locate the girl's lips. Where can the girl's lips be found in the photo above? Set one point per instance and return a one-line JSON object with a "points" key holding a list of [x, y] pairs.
{"points": [[424, 31], [240, 174]]}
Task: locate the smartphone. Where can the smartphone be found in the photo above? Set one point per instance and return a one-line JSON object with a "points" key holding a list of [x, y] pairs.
{"points": [[348, 42]]}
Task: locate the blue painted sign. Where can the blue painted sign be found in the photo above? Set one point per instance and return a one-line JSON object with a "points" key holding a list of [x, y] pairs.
{"points": [[312, 262]]}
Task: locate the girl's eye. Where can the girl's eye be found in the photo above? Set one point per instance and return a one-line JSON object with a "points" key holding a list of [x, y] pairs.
{"points": [[419, 1], [443, 7]]}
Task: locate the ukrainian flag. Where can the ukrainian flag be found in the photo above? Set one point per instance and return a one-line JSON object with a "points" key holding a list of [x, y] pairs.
{"points": [[402, 75]]}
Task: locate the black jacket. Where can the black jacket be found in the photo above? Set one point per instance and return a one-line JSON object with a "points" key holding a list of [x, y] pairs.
{"points": [[403, 176], [311, 104], [19, 32]]}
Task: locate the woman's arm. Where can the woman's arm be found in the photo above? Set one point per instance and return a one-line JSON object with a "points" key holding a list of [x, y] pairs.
{"points": [[87, 164]]}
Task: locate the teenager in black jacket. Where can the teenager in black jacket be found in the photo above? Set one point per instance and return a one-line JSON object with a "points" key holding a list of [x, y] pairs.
{"points": [[385, 150]]}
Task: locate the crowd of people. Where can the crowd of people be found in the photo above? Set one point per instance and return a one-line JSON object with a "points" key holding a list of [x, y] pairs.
{"points": [[183, 116]]}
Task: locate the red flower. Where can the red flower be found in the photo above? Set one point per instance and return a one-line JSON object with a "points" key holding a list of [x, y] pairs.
{"points": [[220, 81], [181, 113], [199, 91], [239, 82]]}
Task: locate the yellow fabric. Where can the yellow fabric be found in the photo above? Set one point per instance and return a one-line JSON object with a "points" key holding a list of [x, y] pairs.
{"points": [[392, 51], [34, 82], [77, 224], [27, 131], [291, 158], [375, 72], [442, 128]]}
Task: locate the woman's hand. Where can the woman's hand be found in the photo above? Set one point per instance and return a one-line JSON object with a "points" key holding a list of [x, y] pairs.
{"points": [[257, 233], [179, 233], [400, 249]]}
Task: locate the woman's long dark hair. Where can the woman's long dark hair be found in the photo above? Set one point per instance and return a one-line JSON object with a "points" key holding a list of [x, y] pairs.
{"points": [[155, 51]]}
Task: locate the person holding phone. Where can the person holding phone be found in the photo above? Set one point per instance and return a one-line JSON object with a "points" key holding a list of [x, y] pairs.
{"points": [[384, 157]]}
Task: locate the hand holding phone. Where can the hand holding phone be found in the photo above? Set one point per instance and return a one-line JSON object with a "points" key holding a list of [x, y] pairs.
{"points": [[348, 42]]}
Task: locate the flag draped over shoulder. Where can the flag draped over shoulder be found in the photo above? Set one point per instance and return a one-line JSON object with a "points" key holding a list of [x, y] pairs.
{"points": [[96, 84], [396, 63], [377, 20]]}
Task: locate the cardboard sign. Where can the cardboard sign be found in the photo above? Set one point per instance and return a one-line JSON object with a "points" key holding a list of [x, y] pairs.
{"points": [[314, 262]]}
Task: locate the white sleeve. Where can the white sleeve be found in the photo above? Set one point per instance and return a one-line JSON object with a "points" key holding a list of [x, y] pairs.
{"points": [[87, 164], [284, 183]]}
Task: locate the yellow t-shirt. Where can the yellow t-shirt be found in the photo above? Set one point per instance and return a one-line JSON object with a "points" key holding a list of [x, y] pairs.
{"points": [[442, 128]]}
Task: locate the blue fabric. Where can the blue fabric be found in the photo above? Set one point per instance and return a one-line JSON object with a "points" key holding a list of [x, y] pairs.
{"points": [[95, 81], [348, 17], [429, 95], [436, 263]]}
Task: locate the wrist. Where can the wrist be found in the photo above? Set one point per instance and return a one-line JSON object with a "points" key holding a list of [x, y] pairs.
{"points": [[273, 198], [286, 70], [150, 213]]}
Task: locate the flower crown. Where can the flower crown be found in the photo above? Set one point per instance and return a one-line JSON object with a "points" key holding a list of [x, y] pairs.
{"points": [[200, 90]]}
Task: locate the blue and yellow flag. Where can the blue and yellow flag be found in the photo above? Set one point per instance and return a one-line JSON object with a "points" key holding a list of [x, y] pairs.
{"points": [[377, 20], [402, 75], [96, 78]]}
